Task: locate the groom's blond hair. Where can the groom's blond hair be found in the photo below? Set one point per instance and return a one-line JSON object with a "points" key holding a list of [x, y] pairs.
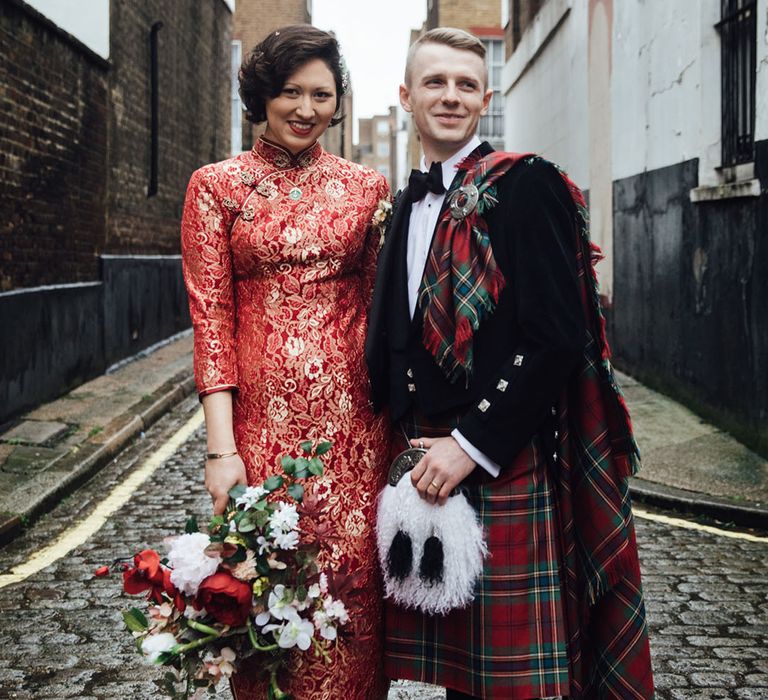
{"points": [[448, 36]]}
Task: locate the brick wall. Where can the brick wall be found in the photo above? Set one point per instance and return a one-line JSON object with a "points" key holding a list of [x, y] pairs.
{"points": [[193, 115], [53, 148], [254, 19], [464, 14]]}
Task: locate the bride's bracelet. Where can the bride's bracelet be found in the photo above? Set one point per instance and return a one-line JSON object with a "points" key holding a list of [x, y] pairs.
{"points": [[220, 455]]}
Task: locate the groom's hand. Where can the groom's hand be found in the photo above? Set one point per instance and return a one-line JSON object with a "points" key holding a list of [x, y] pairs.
{"points": [[441, 470]]}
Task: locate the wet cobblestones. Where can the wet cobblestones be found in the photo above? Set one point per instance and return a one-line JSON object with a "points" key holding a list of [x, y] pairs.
{"points": [[61, 633]]}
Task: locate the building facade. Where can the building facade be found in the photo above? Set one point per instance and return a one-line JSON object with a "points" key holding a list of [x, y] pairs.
{"points": [[377, 145], [660, 110], [98, 142]]}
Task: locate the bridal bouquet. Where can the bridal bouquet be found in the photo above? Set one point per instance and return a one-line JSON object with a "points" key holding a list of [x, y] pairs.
{"points": [[248, 587]]}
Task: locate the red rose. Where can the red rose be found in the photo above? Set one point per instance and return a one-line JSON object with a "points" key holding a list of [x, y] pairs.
{"points": [[225, 598], [173, 593], [147, 575]]}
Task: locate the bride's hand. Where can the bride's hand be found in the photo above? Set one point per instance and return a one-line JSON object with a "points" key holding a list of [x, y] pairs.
{"points": [[221, 475]]}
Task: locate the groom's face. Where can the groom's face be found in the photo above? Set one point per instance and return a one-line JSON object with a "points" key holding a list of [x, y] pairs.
{"points": [[447, 94]]}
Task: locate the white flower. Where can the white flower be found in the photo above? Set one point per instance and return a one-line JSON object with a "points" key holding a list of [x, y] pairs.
{"points": [[336, 610], [278, 606], [284, 519], [324, 625], [190, 563], [295, 632], [251, 496], [264, 545], [286, 540], [156, 644], [314, 591], [323, 583]]}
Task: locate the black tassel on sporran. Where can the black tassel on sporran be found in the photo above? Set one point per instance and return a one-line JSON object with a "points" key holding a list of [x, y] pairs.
{"points": [[400, 556], [431, 565]]}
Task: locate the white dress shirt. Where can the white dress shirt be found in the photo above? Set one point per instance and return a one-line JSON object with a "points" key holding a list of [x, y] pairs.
{"points": [[421, 228]]}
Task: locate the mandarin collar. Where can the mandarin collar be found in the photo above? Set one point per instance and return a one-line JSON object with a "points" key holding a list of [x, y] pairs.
{"points": [[281, 158]]}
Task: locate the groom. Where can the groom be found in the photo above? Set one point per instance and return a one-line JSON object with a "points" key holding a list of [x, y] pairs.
{"points": [[485, 345]]}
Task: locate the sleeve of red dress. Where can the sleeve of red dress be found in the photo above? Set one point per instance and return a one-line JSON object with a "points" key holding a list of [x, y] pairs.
{"points": [[373, 244], [207, 267]]}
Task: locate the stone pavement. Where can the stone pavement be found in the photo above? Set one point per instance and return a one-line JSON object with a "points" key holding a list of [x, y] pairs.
{"points": [[61, 633], [46, 454]]}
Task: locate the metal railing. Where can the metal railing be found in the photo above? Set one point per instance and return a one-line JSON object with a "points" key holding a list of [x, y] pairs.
{"points": [[738, 39]]}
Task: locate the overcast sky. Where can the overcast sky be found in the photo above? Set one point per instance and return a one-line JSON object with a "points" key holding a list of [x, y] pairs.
{"points": [[374, 40]]}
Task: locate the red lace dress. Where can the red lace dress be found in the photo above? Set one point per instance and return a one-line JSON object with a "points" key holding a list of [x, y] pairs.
{"points": [[279, 260]]}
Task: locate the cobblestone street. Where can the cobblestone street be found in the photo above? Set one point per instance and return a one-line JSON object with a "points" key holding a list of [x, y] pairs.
{"points": [[61, 633]]}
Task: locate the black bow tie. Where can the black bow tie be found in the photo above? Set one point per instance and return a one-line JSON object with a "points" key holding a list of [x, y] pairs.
{"points": [[419, 183]]}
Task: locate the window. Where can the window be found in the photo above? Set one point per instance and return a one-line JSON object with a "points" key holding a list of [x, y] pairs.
{"points": [[236, 137], [382, 149], [492, 124], [382, 128], [738, 44], [154, 110]]}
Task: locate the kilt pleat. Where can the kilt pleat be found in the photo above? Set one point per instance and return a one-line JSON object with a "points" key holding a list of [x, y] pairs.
{"points": [[511, 642]]}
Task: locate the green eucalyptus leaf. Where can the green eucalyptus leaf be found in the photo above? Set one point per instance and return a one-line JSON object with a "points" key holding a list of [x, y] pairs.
{"points": [[274, 482], [296, 491], [191, 526], [301, 593], [306, 446], [288, 464], [246, 525], [323, 447], [236, 491], [315, 466]]}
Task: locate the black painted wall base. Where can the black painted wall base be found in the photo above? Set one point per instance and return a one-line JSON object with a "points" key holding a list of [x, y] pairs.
{"points": [[55, 338], [690, 304]]}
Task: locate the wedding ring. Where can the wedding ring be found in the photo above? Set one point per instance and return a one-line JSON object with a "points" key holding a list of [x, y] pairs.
{"points": [[434, 485], [421, 444]]}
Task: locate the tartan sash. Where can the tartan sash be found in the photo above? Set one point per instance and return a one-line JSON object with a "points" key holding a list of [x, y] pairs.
{"points": [[462, 282]]}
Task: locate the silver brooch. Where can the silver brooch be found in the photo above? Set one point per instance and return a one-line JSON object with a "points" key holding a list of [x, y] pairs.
{"points": [[463, 201], [248, 213]]}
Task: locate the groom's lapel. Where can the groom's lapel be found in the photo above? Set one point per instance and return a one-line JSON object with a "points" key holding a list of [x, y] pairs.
{"points": [[384, 291]]}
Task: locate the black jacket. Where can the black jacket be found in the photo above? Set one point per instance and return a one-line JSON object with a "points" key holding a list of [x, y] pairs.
{"points": [[523, 353]]}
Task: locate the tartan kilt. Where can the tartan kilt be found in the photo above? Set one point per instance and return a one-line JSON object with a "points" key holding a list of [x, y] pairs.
{"points": [[511, 642]]}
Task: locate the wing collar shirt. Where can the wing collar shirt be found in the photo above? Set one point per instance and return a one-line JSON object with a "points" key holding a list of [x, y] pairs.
{"points": [[421, 228]]}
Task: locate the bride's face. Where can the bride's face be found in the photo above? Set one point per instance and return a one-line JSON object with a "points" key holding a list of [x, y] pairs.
{"points": [[302, 111]]}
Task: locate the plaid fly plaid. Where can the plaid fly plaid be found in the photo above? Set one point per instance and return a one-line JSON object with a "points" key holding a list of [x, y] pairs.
{"points": [[588, 539]]}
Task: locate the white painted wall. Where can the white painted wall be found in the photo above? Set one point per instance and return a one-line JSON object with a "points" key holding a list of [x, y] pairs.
{"points": [[545, 89], [761, 89], [666, 86], [88, 22]]}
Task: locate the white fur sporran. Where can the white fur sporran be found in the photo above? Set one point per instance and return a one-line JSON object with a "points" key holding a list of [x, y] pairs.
{"points": [[431, 555]]}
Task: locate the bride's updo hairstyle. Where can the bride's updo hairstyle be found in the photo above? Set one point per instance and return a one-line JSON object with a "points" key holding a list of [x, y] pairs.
{"points": [[278, 56]]}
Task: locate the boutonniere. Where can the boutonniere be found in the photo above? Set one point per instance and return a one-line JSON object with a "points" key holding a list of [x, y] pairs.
{"points": [[381, 218]]}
